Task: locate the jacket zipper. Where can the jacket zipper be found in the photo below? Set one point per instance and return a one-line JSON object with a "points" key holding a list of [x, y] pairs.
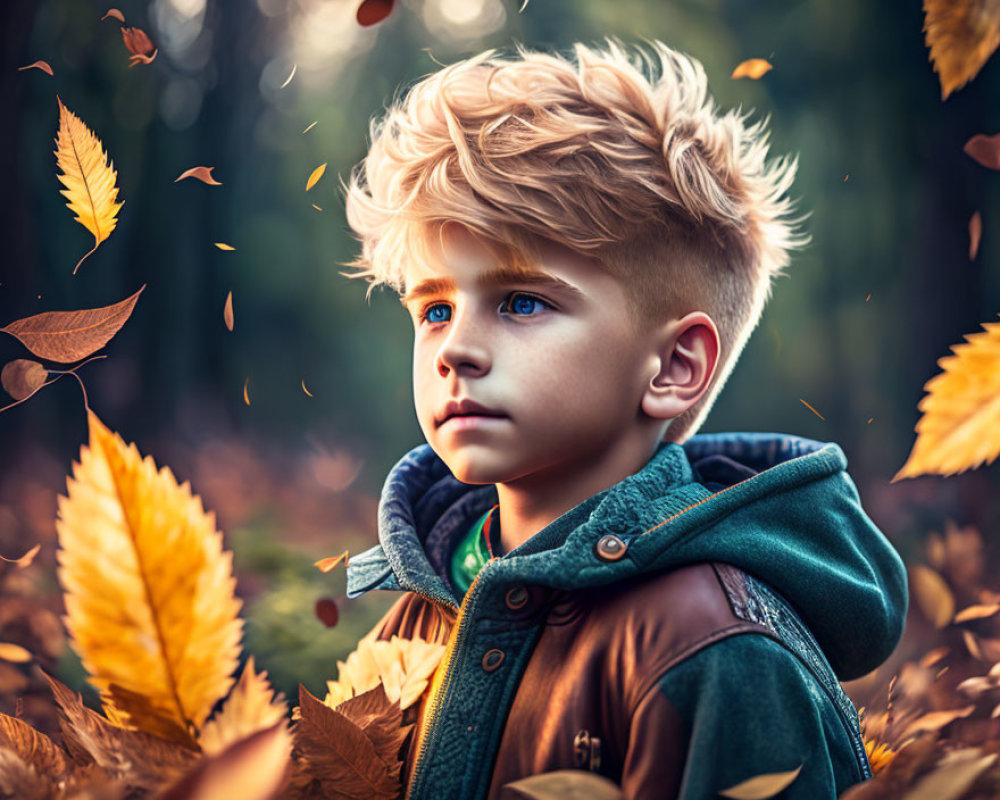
{"points": [[437, 699]]}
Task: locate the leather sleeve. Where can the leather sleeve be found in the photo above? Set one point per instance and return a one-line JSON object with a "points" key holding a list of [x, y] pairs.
{"points": [[741, 707]]}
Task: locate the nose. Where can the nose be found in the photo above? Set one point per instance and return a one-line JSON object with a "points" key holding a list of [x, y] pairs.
{"points": [[464, 349]]}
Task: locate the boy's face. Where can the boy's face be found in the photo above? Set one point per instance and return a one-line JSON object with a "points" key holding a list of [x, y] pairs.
{"points": [[559, 362]]}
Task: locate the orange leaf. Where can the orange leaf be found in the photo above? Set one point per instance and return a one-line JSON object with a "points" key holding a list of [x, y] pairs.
{"points": [[251, 707], [753, 68], [204, 174], [304, 389], [932, 595], [14, 653], [246, 393], [227, 312], [115, 14], [328, 564], [138, 43], [67, 336], [975, 234], [315, 176], [23, 377], [935, 720], [224, 246], [976, 612], [42, 65], [371, 12], [26, 559], [961, 35], [984, 149]]}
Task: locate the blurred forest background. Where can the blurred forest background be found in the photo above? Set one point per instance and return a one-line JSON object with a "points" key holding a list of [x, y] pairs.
{"points": [[885, 289]]}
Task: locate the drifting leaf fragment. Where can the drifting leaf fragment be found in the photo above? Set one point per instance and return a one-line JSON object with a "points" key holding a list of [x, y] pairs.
{"points": [[976, 612], [328, 564], [972, 645], [984, 149], [310, 126], [975, 234], [115, 14], [24, 560], [224, 246], [762, 786], [42, 65], [246, 394], [89, 180], [67, 336], [753, 68], [932, 595], [327, 611], [14, 653], [291, 75], [139, 45], [316, 207], [23, 377], [204, 174], [935, 720], [961, 35], [958, 429], [227, 312], [371, 12], [304, 389], [811, 409], [565, 784], [315, 176], [252, 706]]}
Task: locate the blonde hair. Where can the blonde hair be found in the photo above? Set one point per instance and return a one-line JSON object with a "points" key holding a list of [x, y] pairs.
{"points": [[638, 172]]}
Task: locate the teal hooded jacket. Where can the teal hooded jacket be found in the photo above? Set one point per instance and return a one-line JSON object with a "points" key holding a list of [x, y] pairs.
{"points": [[823, 589]]}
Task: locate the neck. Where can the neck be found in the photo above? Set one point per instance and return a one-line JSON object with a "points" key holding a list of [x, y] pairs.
{"points": [[531, 503]]}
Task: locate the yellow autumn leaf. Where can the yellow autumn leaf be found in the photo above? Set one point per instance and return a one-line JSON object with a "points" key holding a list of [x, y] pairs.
{"points": [[761, 786], [754, 68], [250, 707], [961, 35], [224, 246], [958, 429], [315, 176], [932, 595], [149, 591], [89, 179], [14, 652]]}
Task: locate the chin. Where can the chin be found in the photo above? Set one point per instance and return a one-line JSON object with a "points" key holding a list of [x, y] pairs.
{"points": [[467, 468]]}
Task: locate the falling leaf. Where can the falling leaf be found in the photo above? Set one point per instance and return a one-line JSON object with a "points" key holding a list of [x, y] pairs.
{"points": [[67, 336], [149, 591], [291, 75], [327, 612], [932, 595], [315, 176], [89, 180], [524, 5], [250, 769], [811, 409], [204, 174], [935, 720], [566, 784], [328, 564], [754, 68], [958, 429], [139, 45], [227, 312], [316, 207], [24, 560], [23, 377], [310, 126], [250, 707], [116, 14], [761, 786], [975, 234], [304, 389], [33, 747], [961, 35], [246, 394], [14, 653], [976, 612], [984, 149], [42, 65], [972, 645], [224, 246], [371, 12]]}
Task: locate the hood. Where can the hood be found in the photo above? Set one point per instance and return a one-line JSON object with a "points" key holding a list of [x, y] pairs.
{"points": [[780, 507]]}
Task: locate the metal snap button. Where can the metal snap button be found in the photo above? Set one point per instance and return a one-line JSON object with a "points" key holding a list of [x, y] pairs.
{"points": [[516, 598], [492, 660], [609, 548]]}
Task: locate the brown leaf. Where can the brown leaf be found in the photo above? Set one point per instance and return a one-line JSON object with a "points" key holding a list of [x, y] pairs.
{"points": [[961, 35], [304, 389], [975, 234], [22, 377], [565, 784], [136, 710], [382, 722], [931, 657], [328, 564], [26, 559], [137, 42], [753, 68], [20, 780], [371, 12], [253, 768], [14, 653], [932, 595], [955, 773], [227, 312], [341, 756], [33, 747], [326, 611], [204, 174], [67, 336], [42, 65], [984, 149], [115, 14], [976, 612], [935, 720], [142, 760]]}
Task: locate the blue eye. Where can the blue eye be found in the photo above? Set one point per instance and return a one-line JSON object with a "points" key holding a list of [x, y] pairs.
{"points": [[522, 304], [430, 316]]}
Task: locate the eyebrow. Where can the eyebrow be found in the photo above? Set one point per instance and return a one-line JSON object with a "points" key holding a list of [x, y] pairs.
{"points": [[494, 277]]}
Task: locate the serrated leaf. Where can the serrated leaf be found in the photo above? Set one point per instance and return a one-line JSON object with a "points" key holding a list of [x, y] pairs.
{"points": [[67, 336], [958, 430], [90, 190], [762, 786], [251, 707], [566, 784], [33, 747], [149, 591], [961, 35]]}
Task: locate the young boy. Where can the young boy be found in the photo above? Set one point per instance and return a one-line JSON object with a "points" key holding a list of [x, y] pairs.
{"points": [[584, 250]]}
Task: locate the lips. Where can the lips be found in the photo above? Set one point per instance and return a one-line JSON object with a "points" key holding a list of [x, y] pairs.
{"points": [[466, 408]]}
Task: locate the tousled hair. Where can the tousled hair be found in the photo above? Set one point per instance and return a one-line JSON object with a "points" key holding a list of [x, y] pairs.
{"points": [[618, 154]]}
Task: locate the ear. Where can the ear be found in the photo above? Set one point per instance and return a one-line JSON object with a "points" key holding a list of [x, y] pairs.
{"points": [[685, 361]]}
